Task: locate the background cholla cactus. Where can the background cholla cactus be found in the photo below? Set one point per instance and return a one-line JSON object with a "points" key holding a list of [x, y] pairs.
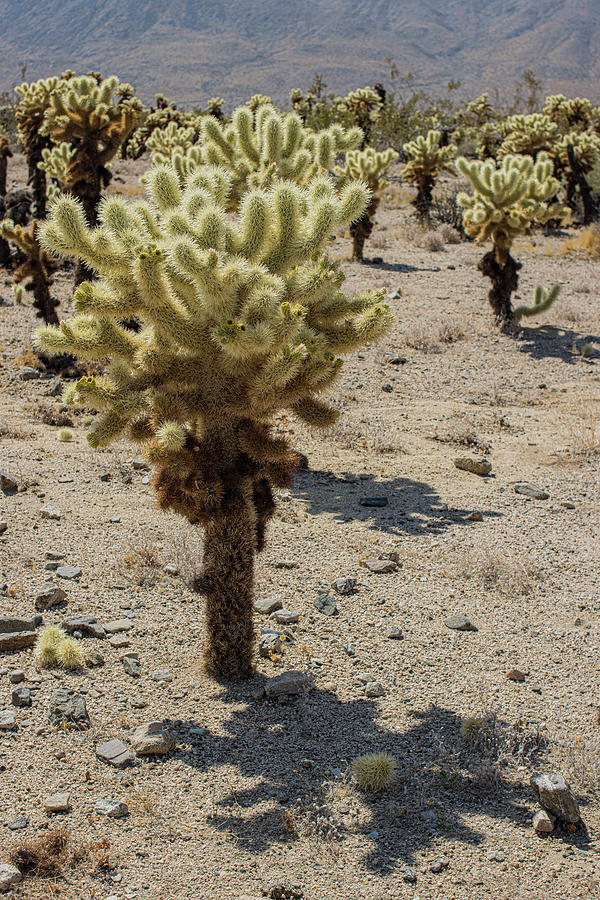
{"points": [[240, 320], [426, 160], [368, 166], [527, 135], [156, 120], [259, 146], [574, 156], [5, 154], [36, 270], [576, 114], [508, 199], [361, 108], [30, 113]]}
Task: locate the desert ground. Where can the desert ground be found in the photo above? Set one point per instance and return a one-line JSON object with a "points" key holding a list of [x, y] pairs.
{"points": [[257, 797]]}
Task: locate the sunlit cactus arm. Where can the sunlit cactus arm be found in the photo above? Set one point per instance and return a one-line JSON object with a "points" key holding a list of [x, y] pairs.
{"points": [[542, 300]]}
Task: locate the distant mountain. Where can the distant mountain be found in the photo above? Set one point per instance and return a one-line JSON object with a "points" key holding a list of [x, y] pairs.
{"points": [[194, 49]]}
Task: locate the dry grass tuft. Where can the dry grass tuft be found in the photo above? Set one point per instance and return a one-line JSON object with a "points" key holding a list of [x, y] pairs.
{"points": [[45, 856], [142, 561], [586, 242], [427, 338], [584, 431], [500, 569]]}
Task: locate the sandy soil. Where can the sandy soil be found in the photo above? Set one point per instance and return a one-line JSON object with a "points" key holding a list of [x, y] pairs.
{"points": [[260, 791]]}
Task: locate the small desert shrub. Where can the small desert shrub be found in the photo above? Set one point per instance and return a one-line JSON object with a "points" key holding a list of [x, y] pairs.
{"points": [[586, 242], [142, 562], [427, 338], [498, 568], [445, 210], [44, 856], [449, 234], [432, 241], [501, 741], [374, 771], [65, 434], [585, 430]]}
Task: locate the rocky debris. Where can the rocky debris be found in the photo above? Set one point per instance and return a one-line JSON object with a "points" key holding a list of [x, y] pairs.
{"points": [[50, 512], [475, 466], [132, 665], [9, 876], [115, 809], [373, 501], [8, 483], [58, 803], [380, 566], [326, 604], [267, 605], [286, 616], [151, 739], [3, 526], [291, 682], [374, 689], [460, 622], [67, 708], [49, 596], [8, 720], [269, 644], [21, 696], [19, 823], [543, 822], [171, 569], [87, 626], [556, 796], [68, 572], [118, 625], [395, 634], [161, 675], [346, 585], [516, 675], [439, 864], [115, 753], [28, 373], [530, 490], [282, 890], [475, 516]]}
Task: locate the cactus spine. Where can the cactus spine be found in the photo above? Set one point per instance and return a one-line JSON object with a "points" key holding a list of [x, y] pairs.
{"points": [[241, 318], [508, 199]]}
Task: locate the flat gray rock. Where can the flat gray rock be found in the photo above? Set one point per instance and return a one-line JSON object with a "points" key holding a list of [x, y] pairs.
{"points": [[118, 625], [57, 803], [8, 720], [50, 512], [88, 625], [19, 823], [21, 696], [67, 708], [373, 501], [345, 585], [12, 624], [543, 822], [292, 682], [161, 675], [68, 572], [326, 604], [286, 616], [151, 739], [132, 665], [8, 482], [9, 876], [50, 595], [16, 640], [115, 809], [556, 796], [460, 622], [380, 566], [267, 605], [115, 753], [530, 490], [374, 689]]}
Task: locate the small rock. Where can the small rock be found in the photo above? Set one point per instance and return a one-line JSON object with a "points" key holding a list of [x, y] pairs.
{"points": [[286, 616], [119, 642], [374, 689], [408, 875], [8, 483], [161, 675], [171, 569], [28, 373], [380, 566], [19, 823], [57, 803], [14, 624], [68, 708], [49, 512], [49, 596], [285, 564], [543, 822], [326, 604], [105, 476], [397, 360], [460, 622], [442, 862], [269, 644], [132, 665], [475, 516], [556, 796], [3, 526], [118, 625], [9, 876], [8, 720], [16, 640], [93, 657], [395, 634], [151, 739], [88, 626], [21, 696], [516, 675], [267, 605], [475, 466], [115, 809], [373, 501], [114, 520], [292, 682], [115, 753], [16, 676], [140, 464], [68, 572], [567, 504], [345, 585], [530, 490]]}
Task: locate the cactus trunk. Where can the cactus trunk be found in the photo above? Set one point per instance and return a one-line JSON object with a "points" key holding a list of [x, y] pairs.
{"points": [[502, 270], [424, 199], [37, 180], [360, 231], [228, 577], [590, 207]]}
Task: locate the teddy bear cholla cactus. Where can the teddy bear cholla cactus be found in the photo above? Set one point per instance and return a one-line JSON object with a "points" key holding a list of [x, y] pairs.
{"points": [[37, 268], [240, 320], [426, 161], [508, 199], [368, 166], [30, 112], [259, 146]]}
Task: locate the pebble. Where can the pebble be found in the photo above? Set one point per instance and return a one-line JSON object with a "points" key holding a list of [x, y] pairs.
{"points": [[374, 689], [49, 596], [140, 464], [442, 862], [9, 876], [118, 625], [68, 708], [475, 466], [8, 483], [267, 605], [373, 501], [475, 516], [171, 569], [556, 796], [543, 822], [516, 675], [286, 616], [21, 696], [49, 512], [326, 604], [380, 566], [408, 875], [291, 682], [119, 641], [88, 625], [115, 809], [395, 634], [8, 720], [346, 585], [161, 675], [132, 664], [68, 572], [16, 676], [530, 490], [115, 753], [28, 373], [269, 644], [151, 739], [19, 823], [57, 803], [460, 622], [3, 526]]}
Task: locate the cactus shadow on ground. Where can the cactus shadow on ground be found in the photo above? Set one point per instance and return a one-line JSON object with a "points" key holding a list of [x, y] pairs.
{"points": [[414, 507], [438, 788], [399, 267], [550, 342]]}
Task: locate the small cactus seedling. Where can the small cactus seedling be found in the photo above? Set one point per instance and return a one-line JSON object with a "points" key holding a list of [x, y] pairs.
{"points": [[508, 199], [240, 319], [36, 270], [374, 771], [54, 648], [368, 166], [426, 160]]}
